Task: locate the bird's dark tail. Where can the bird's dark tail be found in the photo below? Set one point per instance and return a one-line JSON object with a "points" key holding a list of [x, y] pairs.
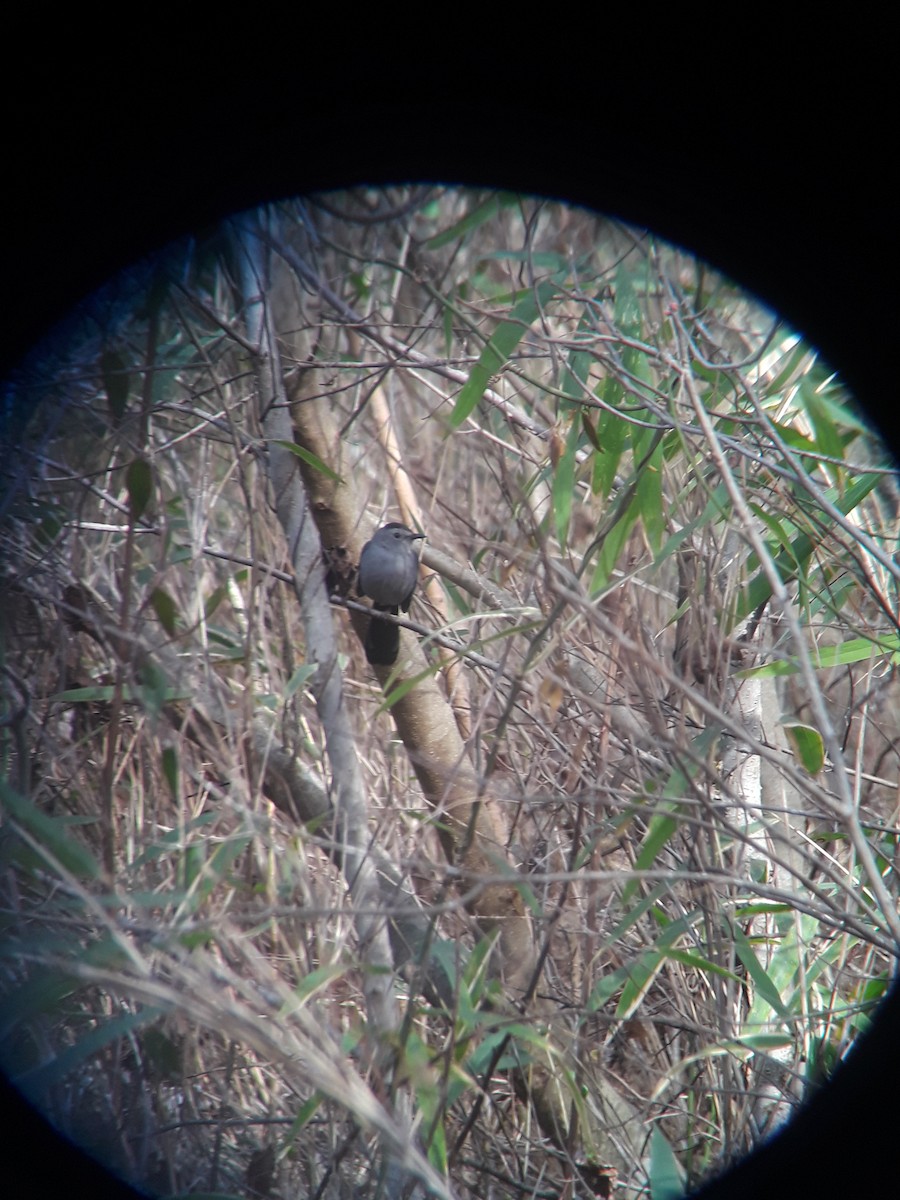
{"points": [[382, 643]]}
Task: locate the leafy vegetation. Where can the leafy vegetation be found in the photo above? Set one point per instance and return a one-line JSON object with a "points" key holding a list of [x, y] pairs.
{"points": [[593, 886]]}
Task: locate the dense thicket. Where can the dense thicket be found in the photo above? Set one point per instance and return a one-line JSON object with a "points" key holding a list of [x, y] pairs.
{"points": [[599, 881]]}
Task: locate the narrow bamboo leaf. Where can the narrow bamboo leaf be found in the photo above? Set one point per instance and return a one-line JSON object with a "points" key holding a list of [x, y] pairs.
{"points": [[574, 377], [172, 842], [629, 318], [214, 599], [310, 459], [500, 346], [103, 693], [648, 497], [152, 689], [478, 215], [590, 431], [606, 987], [611, 550], [50, 833], [778, 531], [828, 439], [300, 678], [758, 975], [100, 694], [611, 434], [305, 1113], [42, 1078], [634, 913], [169, 760], [312, 983], [164, 607], [825, 657], [666, 818], [644, 971], [765, 1041], [437, 1147], [667, 1179], [139, 481], [484, 1051], [220, 861], [46, 988], [641, 976], [662, 825], [840, 413], [760, 589], [791, 362], [699, 963], [807, 745], [563, 489]]}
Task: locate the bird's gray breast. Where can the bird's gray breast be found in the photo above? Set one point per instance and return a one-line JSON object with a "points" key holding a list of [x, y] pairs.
{"points": [[386, 577]]}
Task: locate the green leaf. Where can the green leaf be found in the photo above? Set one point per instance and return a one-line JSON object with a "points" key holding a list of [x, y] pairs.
{"points": [[213, 871], [825, 657], [801, 549], [214, 599], [828, 440], [611, 435], [170, 769], [310, 459], [648, 498], [41, 993], [139, 481], [575, 375], [763, 983], [495, 355], [667, 815], [628, 315], [667, 1180], [606, 987], [42, 1078], [765, 1041], [590, 431], [315, 981], [305, 1113], [642, 972], [299, 679], [164, 607], [478, 215], [51, 834], [611, 549], [103, 693], [172, 842], [563, 488], [792, 359], [807, 745], [152, 688]]}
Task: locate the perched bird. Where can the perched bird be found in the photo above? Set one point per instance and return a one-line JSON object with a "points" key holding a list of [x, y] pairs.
{"points": [[388, 570]]}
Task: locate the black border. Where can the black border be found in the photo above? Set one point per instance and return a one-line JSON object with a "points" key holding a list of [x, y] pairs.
{"points": [[768, 154]]}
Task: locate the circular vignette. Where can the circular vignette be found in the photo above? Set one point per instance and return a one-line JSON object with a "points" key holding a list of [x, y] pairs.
{"points": [[797, 261]]}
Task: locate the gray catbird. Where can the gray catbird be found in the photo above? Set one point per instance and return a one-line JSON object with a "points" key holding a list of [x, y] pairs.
{"points": [[388, 570]]}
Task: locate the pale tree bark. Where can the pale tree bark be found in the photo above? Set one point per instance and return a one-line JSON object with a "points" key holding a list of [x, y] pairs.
{"points": [[350, 829]]}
